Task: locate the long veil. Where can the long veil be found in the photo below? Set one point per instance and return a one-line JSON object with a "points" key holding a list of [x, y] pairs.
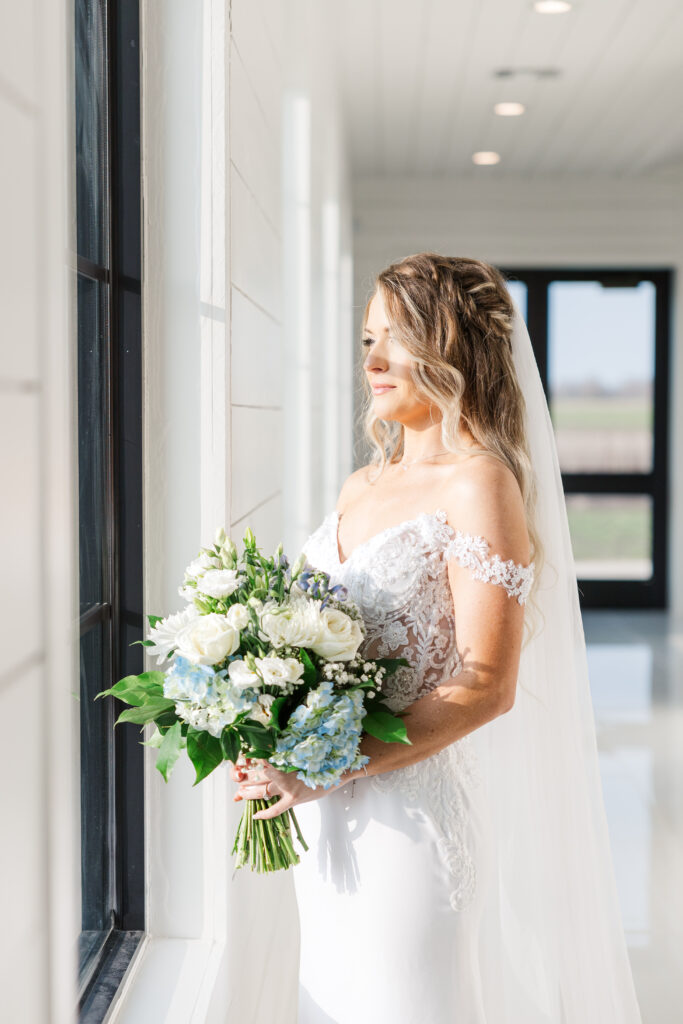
{"points": [[553, 938]]}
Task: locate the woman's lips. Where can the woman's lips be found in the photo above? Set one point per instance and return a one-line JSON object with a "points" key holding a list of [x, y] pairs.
{"points": [[379, 389]]}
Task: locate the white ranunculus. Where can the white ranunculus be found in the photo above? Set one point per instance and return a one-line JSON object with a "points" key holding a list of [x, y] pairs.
{"points": [[208, 639], [164, 634], [341, 636], [296, 624], [279, 671], [238, 616], [241, 675], [218, 582]]}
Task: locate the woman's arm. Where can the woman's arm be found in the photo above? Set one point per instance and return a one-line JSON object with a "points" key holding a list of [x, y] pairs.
{"points": [[484, 501], [489, 628]]}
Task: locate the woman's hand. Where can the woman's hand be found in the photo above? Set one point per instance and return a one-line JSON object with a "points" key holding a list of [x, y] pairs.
{"points": [[254, 774]]}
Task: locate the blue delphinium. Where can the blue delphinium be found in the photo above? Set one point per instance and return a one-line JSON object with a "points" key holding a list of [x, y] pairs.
{"points": [[322, 736]]}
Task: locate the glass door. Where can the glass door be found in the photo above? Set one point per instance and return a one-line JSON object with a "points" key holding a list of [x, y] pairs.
{"points": [[601, 341]]}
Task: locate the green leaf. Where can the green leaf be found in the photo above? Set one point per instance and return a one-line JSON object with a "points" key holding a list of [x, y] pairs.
{"points": [[385, 726], [276, 709], [153, 619], [230, 744], [147, 713], [155, 740], [205, 752], [169, 751], [144, 643], [136, 689], [257, 735], [310, 674]]}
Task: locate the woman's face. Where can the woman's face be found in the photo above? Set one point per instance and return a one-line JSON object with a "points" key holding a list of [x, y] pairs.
{"points": [[387, 366]]}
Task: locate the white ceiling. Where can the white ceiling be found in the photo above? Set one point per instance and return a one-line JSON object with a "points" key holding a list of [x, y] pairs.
{"points": [[418, 86]]}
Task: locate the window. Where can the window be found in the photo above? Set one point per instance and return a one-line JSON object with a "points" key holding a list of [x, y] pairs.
{"points": [[110, 489], [601, 342]]}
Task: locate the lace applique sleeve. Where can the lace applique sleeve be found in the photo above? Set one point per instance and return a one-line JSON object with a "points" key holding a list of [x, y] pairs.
{"points": [[473, 553]]}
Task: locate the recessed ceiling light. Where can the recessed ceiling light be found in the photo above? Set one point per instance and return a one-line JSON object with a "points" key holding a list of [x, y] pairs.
{"points": [[552, 6], [485, 156], [509, 109]]}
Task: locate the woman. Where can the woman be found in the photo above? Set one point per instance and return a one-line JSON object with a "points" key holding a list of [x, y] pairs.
{"points": [[466, 877]]}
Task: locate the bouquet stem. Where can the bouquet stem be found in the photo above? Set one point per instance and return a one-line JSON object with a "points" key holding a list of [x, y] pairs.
{"points": [[266, 843]]}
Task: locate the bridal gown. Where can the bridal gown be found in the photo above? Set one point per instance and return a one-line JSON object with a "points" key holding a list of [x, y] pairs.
{"points": [[395, 886]]}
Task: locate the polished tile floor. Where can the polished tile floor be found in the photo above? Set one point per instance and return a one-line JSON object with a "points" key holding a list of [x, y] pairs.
{"points": [[635, 661]]}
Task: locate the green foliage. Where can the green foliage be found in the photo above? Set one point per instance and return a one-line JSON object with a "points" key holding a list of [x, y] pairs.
{"points": [[258, 735], [384, 725], [205, 752], [169, 751], [230, 744], [148, 712], [136, 689], [310, 675]]}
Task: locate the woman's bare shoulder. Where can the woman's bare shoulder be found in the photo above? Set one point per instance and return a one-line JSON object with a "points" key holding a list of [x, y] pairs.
{"points": [[483, 497]]}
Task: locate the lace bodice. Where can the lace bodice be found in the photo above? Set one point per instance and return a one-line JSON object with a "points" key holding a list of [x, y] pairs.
{"points": [[399, 579]]}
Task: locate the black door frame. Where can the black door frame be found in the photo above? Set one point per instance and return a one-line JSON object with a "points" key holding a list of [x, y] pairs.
{"points": [[617, 593]]}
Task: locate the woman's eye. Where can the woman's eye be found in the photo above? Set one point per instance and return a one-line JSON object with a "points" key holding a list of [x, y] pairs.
{"points": [[367, 341]]}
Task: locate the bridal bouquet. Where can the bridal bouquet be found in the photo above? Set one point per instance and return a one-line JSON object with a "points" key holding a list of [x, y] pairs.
{"points": [[262, 663]]}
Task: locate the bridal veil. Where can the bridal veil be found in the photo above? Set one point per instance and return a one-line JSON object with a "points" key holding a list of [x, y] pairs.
{"points": [[553, 924]]}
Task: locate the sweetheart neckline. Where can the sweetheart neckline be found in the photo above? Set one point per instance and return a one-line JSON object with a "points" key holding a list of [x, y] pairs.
{"points": [[405, 522]]}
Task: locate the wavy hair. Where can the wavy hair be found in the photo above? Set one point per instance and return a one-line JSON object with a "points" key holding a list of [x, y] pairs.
{"points": [[454, 316]]}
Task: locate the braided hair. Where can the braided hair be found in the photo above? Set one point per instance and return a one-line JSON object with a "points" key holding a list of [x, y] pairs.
{"points": [[454, 316]]}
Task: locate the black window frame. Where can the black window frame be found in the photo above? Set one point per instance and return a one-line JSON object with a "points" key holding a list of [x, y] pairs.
{"points": [[115, 219], [617, 593]]}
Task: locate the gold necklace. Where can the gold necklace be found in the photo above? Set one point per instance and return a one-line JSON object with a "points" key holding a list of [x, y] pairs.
{"points": [[406, 465]]}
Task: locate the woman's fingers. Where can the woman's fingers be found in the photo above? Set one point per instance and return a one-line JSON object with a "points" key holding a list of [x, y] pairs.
{"points": [[282, 805]]}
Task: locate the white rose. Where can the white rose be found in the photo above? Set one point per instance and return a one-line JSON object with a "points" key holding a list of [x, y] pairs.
{"points": [[238, 616], [208, 639], [218, 582], [279, 671], [296, 624], [341, 636], [241, 675]]}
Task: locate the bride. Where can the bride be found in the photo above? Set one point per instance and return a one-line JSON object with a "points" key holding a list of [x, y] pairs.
{"points": [[465, 878]]}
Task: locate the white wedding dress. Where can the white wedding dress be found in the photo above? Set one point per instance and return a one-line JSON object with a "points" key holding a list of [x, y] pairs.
{"points": [[397, 882]]}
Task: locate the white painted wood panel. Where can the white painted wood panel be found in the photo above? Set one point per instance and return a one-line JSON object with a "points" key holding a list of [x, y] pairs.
{"points": [[256, 352]]}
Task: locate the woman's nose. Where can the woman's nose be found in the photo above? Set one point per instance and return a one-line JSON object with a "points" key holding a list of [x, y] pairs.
{"points": [[374, 360]]}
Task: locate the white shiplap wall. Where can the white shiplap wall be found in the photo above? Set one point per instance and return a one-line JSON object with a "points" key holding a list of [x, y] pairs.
{"points": [[558, 220], [247, 239], [39, 854]]}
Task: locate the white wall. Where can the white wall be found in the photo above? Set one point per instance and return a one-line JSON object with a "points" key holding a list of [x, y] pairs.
{"points": [[39, 859], [247, 265], [565, 221]]}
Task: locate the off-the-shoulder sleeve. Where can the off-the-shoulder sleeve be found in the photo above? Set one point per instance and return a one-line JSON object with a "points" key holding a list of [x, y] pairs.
{"points": [[473, 553]]}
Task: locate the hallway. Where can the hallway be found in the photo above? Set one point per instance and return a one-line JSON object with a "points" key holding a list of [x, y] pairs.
{"points": [[636, 669]]}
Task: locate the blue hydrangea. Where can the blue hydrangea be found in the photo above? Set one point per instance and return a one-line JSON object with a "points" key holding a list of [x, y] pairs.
{"points": [[187, 681], [322, 736]]}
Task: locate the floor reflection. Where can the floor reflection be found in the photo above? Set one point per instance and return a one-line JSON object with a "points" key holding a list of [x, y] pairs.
{"points": [[635, 661]]}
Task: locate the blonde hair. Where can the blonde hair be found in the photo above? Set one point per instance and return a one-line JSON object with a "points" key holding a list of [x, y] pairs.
{"points": [[454, 316]]}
